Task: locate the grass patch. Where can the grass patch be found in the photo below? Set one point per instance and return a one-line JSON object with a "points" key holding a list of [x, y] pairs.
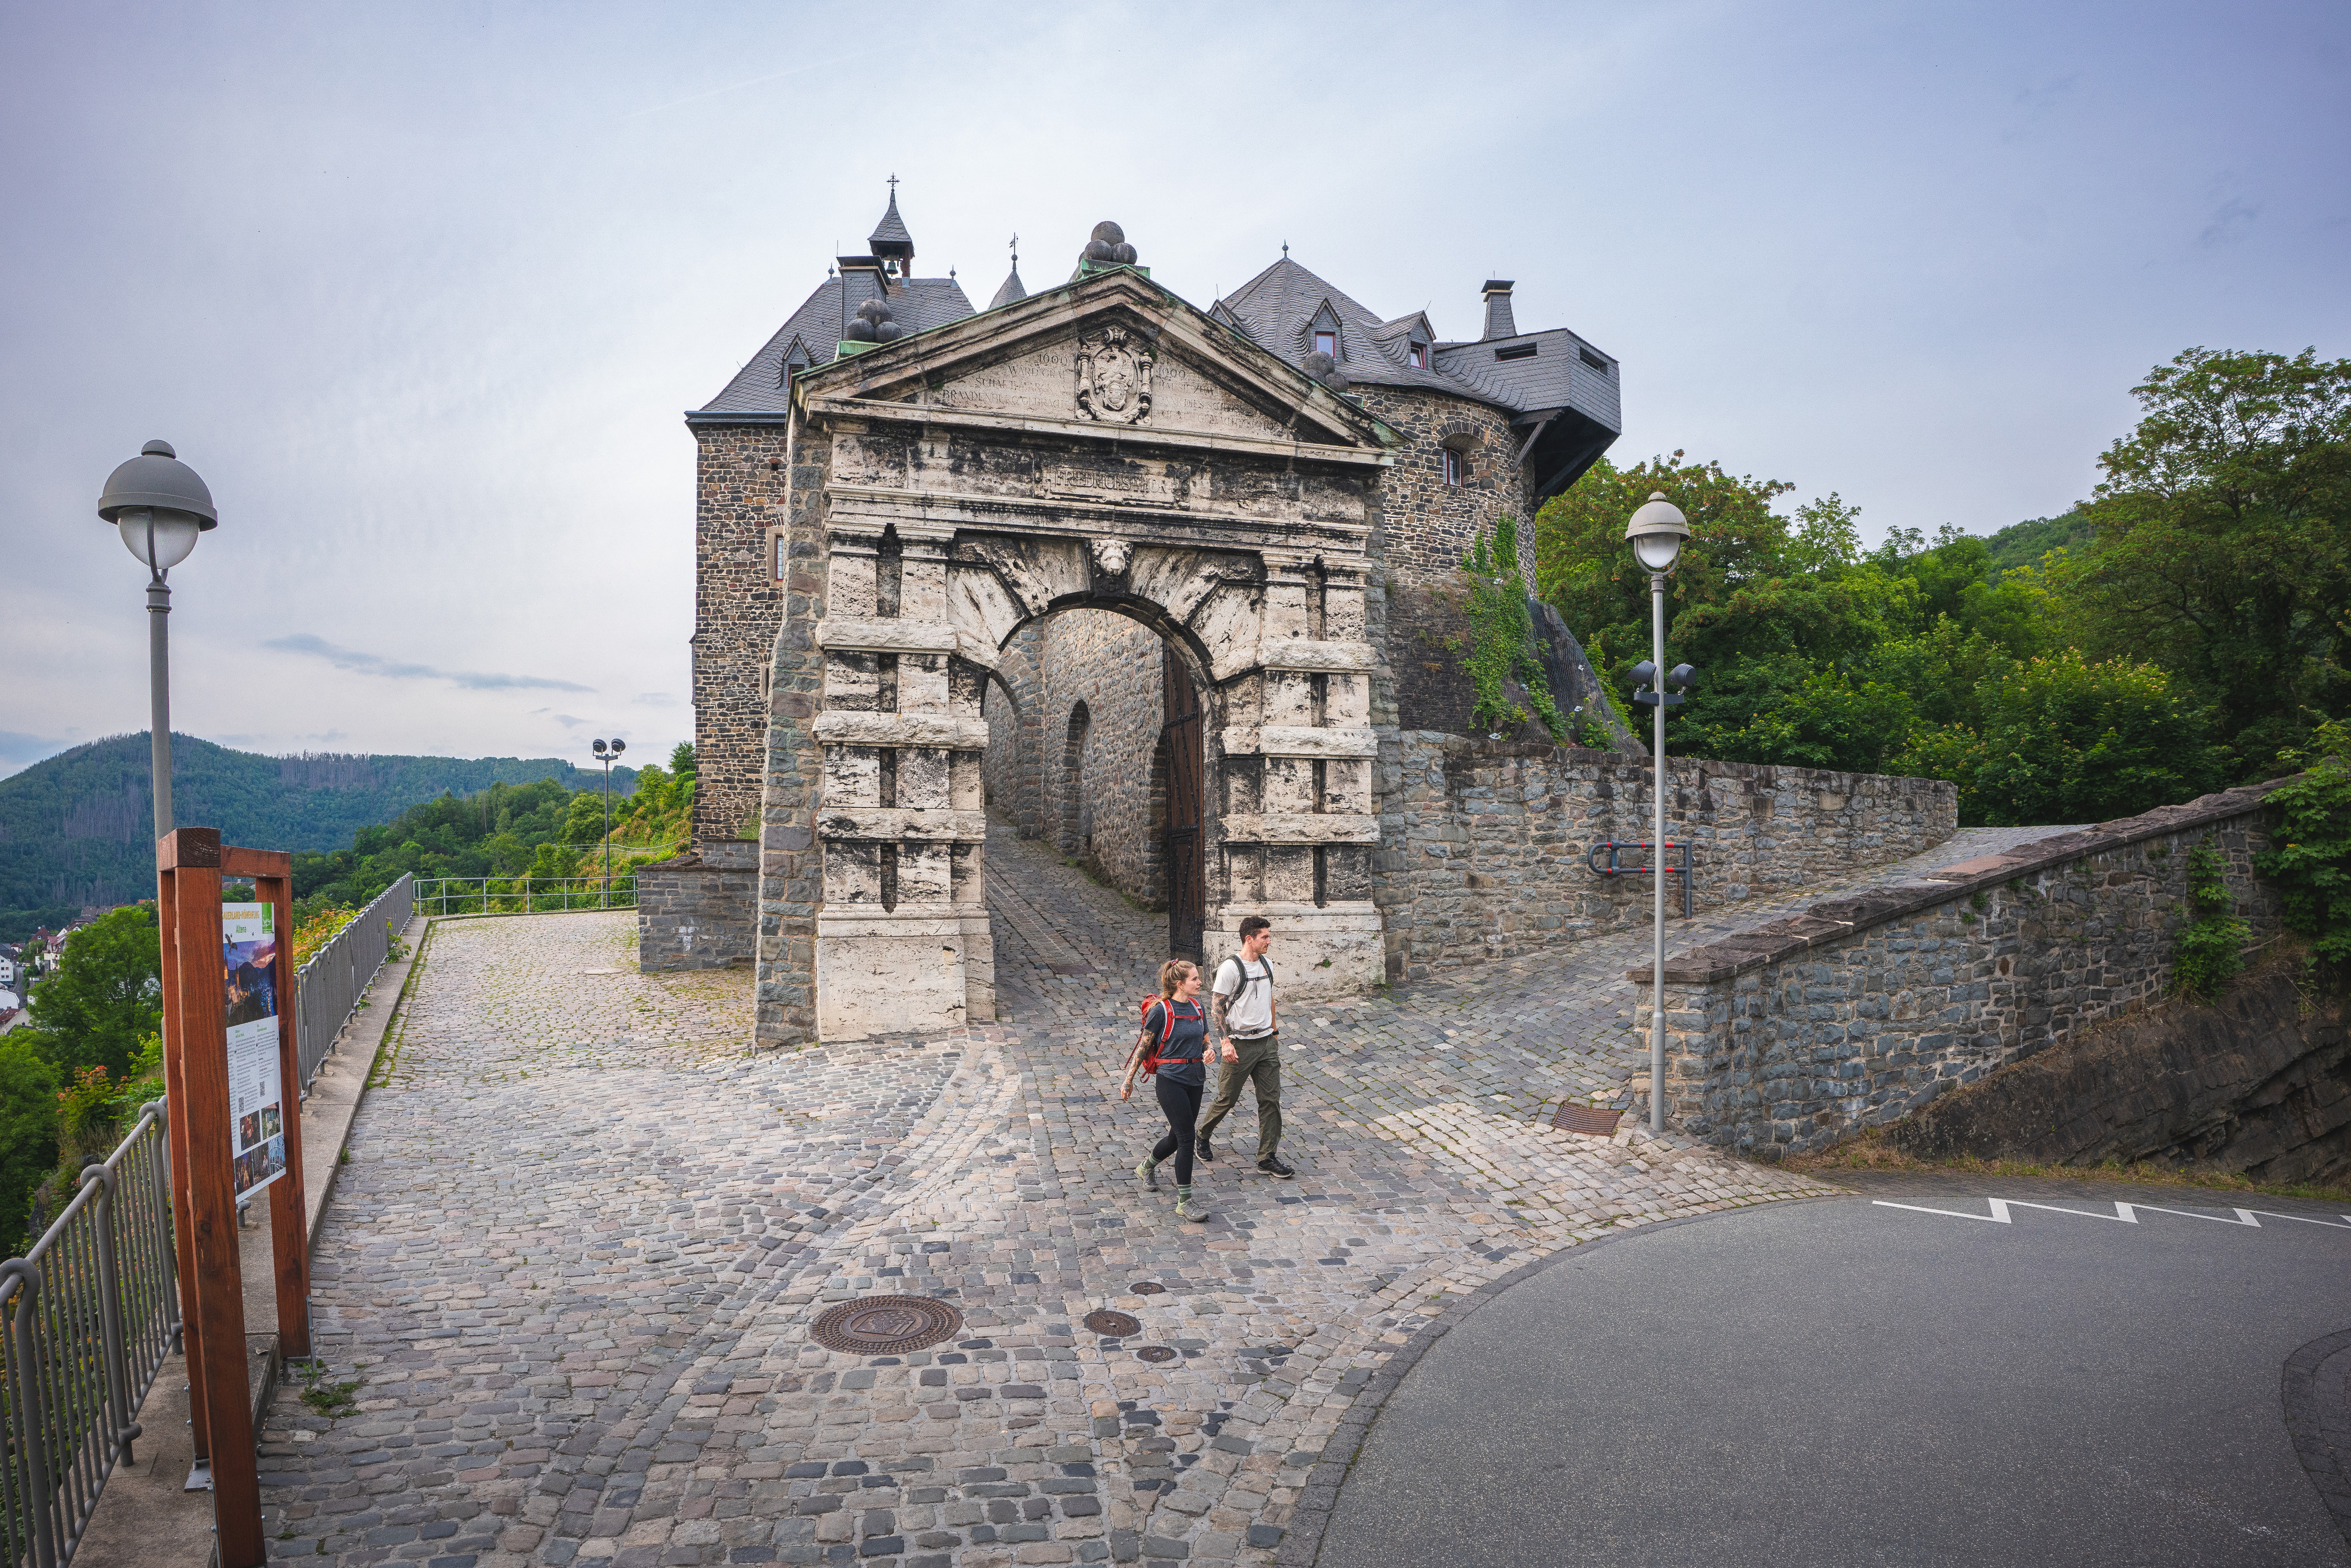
{"points": [[324, 1398], [1875, 1151]]}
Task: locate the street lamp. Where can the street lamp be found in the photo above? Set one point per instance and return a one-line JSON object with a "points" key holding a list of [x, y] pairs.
{"points": [[609, 755], [1656, 534], [160, 506]]}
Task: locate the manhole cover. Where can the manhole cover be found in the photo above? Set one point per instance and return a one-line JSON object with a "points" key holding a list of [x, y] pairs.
{"points": [[1155, 1353], [1148, 1288], [1115, 1325], [885, 1325], [1574, 1118]]}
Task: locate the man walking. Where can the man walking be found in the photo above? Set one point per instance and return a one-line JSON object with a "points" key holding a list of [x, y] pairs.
{"points": [[1244, 1015]]}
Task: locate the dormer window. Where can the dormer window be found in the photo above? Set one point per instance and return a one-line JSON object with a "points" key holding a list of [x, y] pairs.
{"points": [[1416, 355], [1326, 342]]}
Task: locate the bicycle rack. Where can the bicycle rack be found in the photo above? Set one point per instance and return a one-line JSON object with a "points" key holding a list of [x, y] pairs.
{"points": [[1612, 869]]}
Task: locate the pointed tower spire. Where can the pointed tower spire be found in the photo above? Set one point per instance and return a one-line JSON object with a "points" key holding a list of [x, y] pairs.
{"points": [[891, 240], [1012, 293]]}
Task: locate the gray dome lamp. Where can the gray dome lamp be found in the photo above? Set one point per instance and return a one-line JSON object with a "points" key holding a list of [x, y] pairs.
{"points": [[1656, 534], [160, 509], [160, 505]]}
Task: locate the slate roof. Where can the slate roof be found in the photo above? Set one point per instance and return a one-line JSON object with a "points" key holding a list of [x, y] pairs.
{"points": [[1278, 307], [1553, 376], [1012, 292], [919, 303]]}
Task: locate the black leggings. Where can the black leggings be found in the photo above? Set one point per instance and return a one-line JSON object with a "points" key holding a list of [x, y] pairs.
{"points": [[1182, 1103]]}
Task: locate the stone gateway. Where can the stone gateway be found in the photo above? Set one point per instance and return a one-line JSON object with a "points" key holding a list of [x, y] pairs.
{"points": [[1169, 586]]}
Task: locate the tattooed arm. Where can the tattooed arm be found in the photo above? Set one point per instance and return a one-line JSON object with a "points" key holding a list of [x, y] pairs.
{"points": [[1224, 1024]]}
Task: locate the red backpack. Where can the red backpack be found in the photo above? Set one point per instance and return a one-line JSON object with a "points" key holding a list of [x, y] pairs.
{"points": [[1168, 1031]]}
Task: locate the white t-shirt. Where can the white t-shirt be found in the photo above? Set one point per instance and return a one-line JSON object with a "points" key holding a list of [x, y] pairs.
{"points": [[1250, 1014]]}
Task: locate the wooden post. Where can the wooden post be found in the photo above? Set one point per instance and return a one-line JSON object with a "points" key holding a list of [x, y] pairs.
{"points": [[183, 1233], [272, 871], [192, 858]]}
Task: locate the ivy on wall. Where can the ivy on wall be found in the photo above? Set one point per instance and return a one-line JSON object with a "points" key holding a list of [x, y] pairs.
{"points": [[1502, 638]]}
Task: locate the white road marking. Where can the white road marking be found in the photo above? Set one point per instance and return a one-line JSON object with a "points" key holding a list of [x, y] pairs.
{"points": [[2126, 1213]]}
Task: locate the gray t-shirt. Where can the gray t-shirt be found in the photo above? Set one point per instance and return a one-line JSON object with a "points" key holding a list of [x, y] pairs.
{"points": [[1250, 1013]]}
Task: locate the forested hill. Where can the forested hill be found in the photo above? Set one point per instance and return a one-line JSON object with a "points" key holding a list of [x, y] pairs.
{"points": [[78, 828]]}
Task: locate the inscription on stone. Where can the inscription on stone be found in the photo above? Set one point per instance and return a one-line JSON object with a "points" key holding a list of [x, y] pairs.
{"points": [[1132, 487]]}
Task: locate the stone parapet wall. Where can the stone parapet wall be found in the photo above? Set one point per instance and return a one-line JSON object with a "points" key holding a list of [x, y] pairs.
{"points": [[1483, 845], [1857, 1011], [694, 910]]}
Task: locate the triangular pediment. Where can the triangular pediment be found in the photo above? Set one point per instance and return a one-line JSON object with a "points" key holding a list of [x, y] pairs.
{"points": [[1112, 352]]}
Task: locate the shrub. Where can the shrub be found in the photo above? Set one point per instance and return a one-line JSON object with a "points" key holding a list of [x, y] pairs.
{"points": [[2310, 857], [2212, 947]]}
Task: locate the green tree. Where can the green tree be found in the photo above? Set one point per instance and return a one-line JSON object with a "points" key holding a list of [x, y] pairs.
{"points": [[105, 993], [2066, 740], [2222, 549], [1584, 569], [28, 1127]]}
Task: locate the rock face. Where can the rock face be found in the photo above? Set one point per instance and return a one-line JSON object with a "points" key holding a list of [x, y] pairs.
{"points": [[2258, 1082]]}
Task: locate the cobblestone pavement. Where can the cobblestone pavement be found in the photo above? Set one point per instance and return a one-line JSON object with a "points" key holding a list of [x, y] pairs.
{"points": [[572, 1264]]}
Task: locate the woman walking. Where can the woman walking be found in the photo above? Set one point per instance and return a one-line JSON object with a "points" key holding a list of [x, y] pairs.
{"points": [[1175, 1025]]}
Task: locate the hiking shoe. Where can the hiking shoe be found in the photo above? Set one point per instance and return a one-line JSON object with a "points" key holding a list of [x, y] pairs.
{"points": [[1185, 1208], [1201, 1152], [1274, 1167], [1149, 1171]]}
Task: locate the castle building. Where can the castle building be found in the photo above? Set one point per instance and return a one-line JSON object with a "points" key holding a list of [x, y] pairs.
{"points": [[1154, 580]]}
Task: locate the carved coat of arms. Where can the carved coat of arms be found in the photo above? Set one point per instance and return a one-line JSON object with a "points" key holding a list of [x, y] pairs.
{"points": [[1114, 377]]}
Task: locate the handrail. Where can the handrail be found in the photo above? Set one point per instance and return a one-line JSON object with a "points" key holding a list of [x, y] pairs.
{"points": [[526, 895], [329, 987], [1612, 869], [90, 1313]]}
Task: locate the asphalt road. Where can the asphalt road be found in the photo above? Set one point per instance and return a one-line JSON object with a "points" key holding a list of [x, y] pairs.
{"points": [[1843, 1382]]}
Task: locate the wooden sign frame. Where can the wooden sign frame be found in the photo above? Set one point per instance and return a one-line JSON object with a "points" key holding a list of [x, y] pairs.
{"points": [[190, 865]]}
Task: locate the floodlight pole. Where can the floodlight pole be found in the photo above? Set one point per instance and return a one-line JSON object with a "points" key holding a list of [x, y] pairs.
{"points": [[1657, 859]]}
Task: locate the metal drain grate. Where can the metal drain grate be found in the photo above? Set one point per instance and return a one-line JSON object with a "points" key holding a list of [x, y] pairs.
{"points": [[1147, 1288], [1116, 1325], [1154, 1353], [885, 1325], [1575, 1118]]}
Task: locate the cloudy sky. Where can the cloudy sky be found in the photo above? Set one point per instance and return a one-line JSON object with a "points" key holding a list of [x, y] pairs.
{"points": [[423, 290]]}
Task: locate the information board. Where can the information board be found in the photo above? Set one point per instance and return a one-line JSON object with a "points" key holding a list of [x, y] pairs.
{"points": [[256, 1099]]}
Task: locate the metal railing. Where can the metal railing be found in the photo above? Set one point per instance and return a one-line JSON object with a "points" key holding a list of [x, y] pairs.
{"points": [[1685, 871], [89, 1318], [327, 990], [525, 894]]}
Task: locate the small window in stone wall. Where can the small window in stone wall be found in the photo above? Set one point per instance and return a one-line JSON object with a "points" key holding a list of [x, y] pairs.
{"points": [[1454, 466]]}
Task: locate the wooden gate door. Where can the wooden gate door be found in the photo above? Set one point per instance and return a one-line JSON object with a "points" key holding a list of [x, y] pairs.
{"points": [[1187, 882]]}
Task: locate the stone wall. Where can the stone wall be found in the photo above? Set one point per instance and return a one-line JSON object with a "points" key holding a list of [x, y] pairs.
{"points": [[1483, 845], [1430, 524], [738, 496], [1860, 1010], [694, 910]]}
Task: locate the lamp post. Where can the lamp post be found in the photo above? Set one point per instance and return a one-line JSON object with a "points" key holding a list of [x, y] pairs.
{"points": [[609, 755], [1656, 534], [160, 506]]}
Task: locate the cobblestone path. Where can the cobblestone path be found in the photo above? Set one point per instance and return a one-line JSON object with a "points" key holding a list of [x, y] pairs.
{"points": [[573, 1261]]}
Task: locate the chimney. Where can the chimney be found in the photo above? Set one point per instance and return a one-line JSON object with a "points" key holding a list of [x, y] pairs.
{"points": [[1499, 322]]}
